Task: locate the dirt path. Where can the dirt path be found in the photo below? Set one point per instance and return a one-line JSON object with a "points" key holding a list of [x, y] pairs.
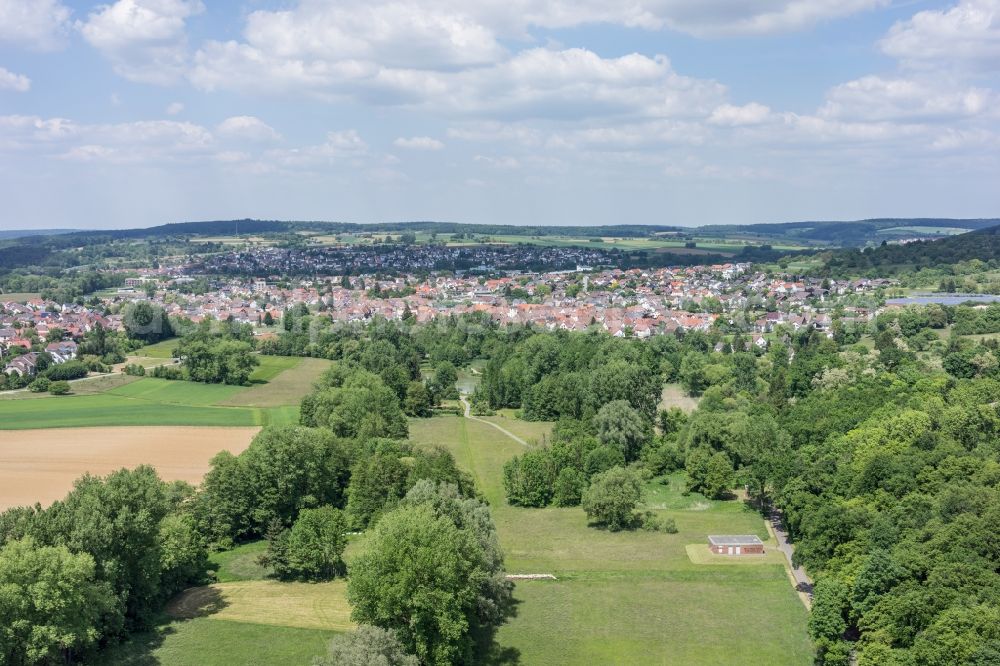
{"points": [[800, 580], [468, 415]]}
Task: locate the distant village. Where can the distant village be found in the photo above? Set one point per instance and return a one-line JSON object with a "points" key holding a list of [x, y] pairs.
{"points": [[624, 303]]}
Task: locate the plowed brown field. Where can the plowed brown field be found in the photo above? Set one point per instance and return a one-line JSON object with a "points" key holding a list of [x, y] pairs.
{"points": [[41, 465]]}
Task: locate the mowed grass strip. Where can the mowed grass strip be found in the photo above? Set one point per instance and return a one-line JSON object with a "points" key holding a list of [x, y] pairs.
{"points": [[286, 387], [208, 641], [302, 605], [177, 392], [644, 621], [271, 366]]}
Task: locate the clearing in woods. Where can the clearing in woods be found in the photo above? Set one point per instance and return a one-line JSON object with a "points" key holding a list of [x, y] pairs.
{"points": [[627, 597], [41, 465]]}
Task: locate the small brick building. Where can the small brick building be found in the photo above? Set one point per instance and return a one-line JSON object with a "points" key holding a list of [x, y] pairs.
{"points": [[736, 544]]}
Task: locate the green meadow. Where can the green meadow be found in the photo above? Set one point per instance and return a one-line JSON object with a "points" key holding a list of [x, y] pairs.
{"points": [[628, 597], [276, 388]]}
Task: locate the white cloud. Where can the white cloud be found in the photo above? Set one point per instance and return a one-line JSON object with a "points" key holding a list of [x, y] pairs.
{"points": [[418, 143], [569, 83], [395, 34], [966, 36], [174, 108], [247, 127], [133, 142], [11, 81], [145, 40], [875, 98], [36, 24], [710, 18], [735, 116], [504, 162], [342, 147]]}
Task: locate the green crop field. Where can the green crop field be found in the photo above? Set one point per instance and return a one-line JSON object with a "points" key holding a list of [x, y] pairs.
{"points": [[628, 597], [286, 387], [114, 410], [127, 401]]}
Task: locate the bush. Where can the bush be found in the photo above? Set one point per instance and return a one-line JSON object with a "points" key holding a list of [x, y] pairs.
{"points": [[168, 372], [59, 388], [94, 365], [40, 385], [651, 522], [366, 646], [66, 371], [135, 370]]}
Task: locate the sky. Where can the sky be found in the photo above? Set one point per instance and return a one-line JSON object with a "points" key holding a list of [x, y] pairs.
{"points": [[683, 112]]}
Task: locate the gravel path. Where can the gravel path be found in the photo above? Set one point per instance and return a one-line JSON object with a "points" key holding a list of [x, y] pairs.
{"points": [[803, 583], [468, 415]]}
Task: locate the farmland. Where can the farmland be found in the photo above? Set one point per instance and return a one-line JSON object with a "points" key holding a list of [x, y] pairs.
{"points": [[41, 465], [277, 386]]}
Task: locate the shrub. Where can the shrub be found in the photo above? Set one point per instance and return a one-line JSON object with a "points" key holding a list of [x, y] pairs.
{"points": [[168, 372], [59, 388], [135, 370], [651, 522], [368, 645], [66, 371], [40, 385]]}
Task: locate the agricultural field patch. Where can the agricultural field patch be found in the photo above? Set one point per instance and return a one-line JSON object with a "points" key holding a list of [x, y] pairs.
{"points": [[19, 296], [41, 465], [109, 409], [937, 231], [287, 387]]}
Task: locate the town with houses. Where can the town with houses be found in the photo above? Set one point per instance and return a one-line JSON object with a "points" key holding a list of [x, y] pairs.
{"points": [[633, 302]]}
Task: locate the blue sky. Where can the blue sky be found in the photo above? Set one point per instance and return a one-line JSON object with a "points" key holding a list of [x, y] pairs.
{"points": [[141, 112]]}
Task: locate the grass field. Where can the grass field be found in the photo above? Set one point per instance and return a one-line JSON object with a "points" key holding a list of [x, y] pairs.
{"points": [[162, 349], [674, 396], [278, 385], [302, 605], [19, 296], [207, 641], [628, 597], [286, 387]]}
